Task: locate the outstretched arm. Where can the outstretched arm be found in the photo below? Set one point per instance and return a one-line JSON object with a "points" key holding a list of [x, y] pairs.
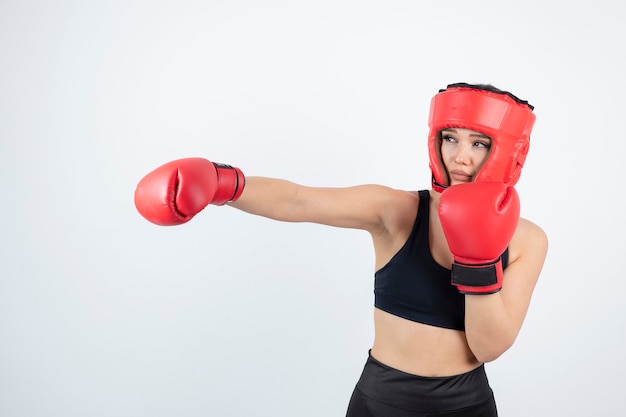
{"points": [[387, 214], [363, 207], [178, 190]]}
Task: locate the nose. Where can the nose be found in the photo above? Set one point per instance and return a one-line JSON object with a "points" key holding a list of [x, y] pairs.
{"points": [[462, 155]]}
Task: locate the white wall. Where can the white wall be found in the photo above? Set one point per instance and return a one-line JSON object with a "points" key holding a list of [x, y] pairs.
{"points": [[105, 314]]}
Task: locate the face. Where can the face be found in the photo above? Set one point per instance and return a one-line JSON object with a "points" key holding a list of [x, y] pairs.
{"points": [[463, 153]]}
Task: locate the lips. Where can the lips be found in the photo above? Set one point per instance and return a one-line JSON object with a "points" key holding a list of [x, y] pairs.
{"points": [[459, 175]]}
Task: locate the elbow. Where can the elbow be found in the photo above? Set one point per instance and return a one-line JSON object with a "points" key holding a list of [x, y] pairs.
{"points": [[490, 352], [485, 357]]}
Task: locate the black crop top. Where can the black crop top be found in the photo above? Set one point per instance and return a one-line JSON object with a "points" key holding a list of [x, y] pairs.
{"points": [[412, 285]]}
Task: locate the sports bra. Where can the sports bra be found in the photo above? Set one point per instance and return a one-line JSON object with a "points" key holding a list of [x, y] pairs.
{"points": [[412, 285]]}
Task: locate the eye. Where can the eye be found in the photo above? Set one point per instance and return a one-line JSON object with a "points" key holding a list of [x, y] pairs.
{"points": [[482, 144], [447, 138]]}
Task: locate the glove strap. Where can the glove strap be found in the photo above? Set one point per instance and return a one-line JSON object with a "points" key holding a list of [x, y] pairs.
{"points": [[484, 278], [230, 184]]}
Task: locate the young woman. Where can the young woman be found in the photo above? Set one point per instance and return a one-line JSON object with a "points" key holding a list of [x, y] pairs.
{"points": [[455, 265]]}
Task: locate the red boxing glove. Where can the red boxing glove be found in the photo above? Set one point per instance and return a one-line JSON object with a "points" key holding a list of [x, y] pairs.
{"points": [[478, 220], [175, 192]]}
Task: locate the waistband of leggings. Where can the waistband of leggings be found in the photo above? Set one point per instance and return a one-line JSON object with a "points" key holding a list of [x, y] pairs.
{"points": [[391, 386]]}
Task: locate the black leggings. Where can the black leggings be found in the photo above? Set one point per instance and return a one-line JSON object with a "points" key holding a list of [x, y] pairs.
{"points": [[383, 391]]}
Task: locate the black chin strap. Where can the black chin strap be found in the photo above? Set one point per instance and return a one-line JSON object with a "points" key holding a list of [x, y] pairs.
{"points": [[437, 184]]}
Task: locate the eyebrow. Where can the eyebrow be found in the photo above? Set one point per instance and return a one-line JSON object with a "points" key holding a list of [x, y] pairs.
{"points": [[475, 134]]}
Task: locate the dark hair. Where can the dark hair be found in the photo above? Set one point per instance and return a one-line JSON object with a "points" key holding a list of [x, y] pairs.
{"points": [[491, 88]]}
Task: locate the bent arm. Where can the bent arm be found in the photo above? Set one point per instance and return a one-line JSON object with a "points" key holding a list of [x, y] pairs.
{"points": [[492, 322]]}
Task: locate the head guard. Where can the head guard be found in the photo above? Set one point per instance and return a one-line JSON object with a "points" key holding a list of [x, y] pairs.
{"points": [[503, 117]]}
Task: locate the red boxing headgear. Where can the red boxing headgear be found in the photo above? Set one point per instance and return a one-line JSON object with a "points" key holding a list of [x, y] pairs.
{"points": [[503, 117]]}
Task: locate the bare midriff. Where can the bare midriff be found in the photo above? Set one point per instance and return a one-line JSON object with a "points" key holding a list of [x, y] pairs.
{"points": [[420, 349]]}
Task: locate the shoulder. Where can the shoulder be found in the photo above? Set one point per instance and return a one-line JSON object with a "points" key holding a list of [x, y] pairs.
{"points": [[529, 243], [530, 233]]}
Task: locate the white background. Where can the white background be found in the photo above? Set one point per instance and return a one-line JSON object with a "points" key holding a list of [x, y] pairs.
{"points": [[105, 314]]}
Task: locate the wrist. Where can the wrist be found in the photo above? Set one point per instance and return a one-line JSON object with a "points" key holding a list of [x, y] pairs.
{"points": [[230, 184], [477, 278]]}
